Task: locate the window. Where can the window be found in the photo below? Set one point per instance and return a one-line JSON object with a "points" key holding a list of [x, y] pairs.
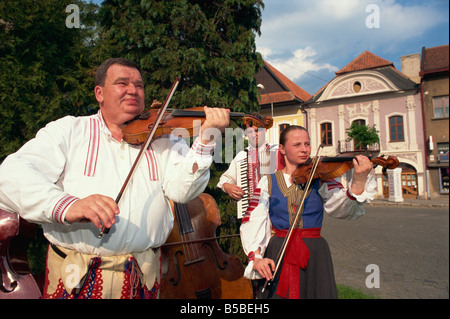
{"points": [[396, 129], [440, 105], [283, 126], [356, 87], [444, 180], [442, 148], [325, 133]]}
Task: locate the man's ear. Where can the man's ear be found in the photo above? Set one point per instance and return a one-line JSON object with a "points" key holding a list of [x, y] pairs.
{"points": [[98, 90]]}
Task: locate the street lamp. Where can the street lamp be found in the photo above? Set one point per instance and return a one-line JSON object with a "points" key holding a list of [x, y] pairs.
{"points": [[260, 86]]}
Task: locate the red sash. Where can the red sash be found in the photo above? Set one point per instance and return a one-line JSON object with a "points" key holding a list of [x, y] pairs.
{"points": [[296, 255]]}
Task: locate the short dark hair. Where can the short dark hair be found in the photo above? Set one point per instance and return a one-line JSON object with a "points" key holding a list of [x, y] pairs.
{"points": [[100, 74], [288, 129]]}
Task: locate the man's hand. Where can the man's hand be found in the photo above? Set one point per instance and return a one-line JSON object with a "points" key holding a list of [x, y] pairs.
{"points": [[233, 190], [100, 210], [217, 119], [363, 166]]}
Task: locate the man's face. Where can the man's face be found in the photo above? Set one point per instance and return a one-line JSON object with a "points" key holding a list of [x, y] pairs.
{"points": [[256, 136], [122, 97]]}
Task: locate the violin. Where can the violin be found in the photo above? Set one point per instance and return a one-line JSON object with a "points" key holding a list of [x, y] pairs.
{"points": [[135, 131], [332, 167]]}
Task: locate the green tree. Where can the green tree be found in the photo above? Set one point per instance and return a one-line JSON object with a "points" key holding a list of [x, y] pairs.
{"points": [[44, 68], [362, 135], [210, 44]]}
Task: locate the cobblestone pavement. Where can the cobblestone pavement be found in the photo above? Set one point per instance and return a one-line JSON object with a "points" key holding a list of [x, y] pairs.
{"points": [[409, 244]]}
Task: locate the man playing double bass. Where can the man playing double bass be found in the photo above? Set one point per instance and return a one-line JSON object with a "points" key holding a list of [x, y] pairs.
{"points": [[67, 176]]}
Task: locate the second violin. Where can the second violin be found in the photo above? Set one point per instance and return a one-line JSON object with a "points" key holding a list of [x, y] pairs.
{"points": [[332, 167]]}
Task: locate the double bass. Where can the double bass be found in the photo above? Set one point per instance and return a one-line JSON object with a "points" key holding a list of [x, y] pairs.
{"points": [[194, 266], [16, 280]]}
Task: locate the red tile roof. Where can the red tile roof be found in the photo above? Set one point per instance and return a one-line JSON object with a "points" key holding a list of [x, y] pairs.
{"points": [[292, 93], [365, 61], [295, 89], [435, 59]]}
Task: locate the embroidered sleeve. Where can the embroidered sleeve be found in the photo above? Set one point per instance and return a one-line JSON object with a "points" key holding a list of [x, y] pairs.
{"points": [[28, 178], [180, 183], [341, 203]]}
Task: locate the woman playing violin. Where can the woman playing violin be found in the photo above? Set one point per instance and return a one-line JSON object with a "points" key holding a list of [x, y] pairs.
{"points": [[306, 270], [66, 179]]}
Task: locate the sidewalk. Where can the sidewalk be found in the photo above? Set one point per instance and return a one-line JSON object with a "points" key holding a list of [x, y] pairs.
{"points": [[411, 202]]}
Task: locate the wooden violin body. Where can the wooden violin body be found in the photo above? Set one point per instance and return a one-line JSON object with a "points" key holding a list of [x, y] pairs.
{"points": [[185, 122], [16, 281], [194, 266], [332, 167]]}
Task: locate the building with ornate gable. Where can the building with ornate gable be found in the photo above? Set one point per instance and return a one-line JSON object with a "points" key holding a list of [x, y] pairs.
{"points": [[371, 91]]}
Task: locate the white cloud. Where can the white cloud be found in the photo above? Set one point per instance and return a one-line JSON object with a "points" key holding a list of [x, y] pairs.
{"points": [[296, 66], [300, 36]]}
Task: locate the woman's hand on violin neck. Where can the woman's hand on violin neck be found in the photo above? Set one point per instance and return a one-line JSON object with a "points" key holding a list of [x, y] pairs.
{"points": [[217, 119], [99, 209], [362, 167]]}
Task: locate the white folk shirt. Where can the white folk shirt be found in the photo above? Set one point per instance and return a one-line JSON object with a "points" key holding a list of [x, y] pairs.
{"points": [[75, 157]]}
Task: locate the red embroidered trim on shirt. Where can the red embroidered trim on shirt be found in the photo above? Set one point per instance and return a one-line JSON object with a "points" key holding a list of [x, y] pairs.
{"points": [[332, 184], [61, 206], [152, 164], [350, 196], [252, 205], [202, 149], [92, 153]]}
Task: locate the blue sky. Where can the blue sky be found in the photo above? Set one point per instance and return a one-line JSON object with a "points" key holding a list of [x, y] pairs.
{"points": [[309, 40]]}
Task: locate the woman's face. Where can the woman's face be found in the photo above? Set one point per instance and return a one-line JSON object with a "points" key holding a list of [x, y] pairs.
{"points": [[297, 147]]}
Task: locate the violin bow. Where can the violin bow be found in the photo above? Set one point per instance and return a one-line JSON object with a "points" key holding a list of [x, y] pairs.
{"points": [[297, 215], [144, 146]]}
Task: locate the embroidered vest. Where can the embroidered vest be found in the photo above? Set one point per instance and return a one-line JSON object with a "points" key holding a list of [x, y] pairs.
{"points": [[285, 200]]}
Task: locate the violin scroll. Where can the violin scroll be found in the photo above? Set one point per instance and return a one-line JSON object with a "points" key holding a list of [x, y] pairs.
{"points": [[258, 121], [390, 163]]}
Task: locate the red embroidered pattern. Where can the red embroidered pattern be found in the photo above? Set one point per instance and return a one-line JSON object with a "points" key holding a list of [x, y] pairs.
{"points": [[252, 205], [94, 144], [91, 289], [132, 288]]}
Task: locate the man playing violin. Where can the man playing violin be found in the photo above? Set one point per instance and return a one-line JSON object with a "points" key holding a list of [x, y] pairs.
{"points": [[307, 270], [67, 176]]}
